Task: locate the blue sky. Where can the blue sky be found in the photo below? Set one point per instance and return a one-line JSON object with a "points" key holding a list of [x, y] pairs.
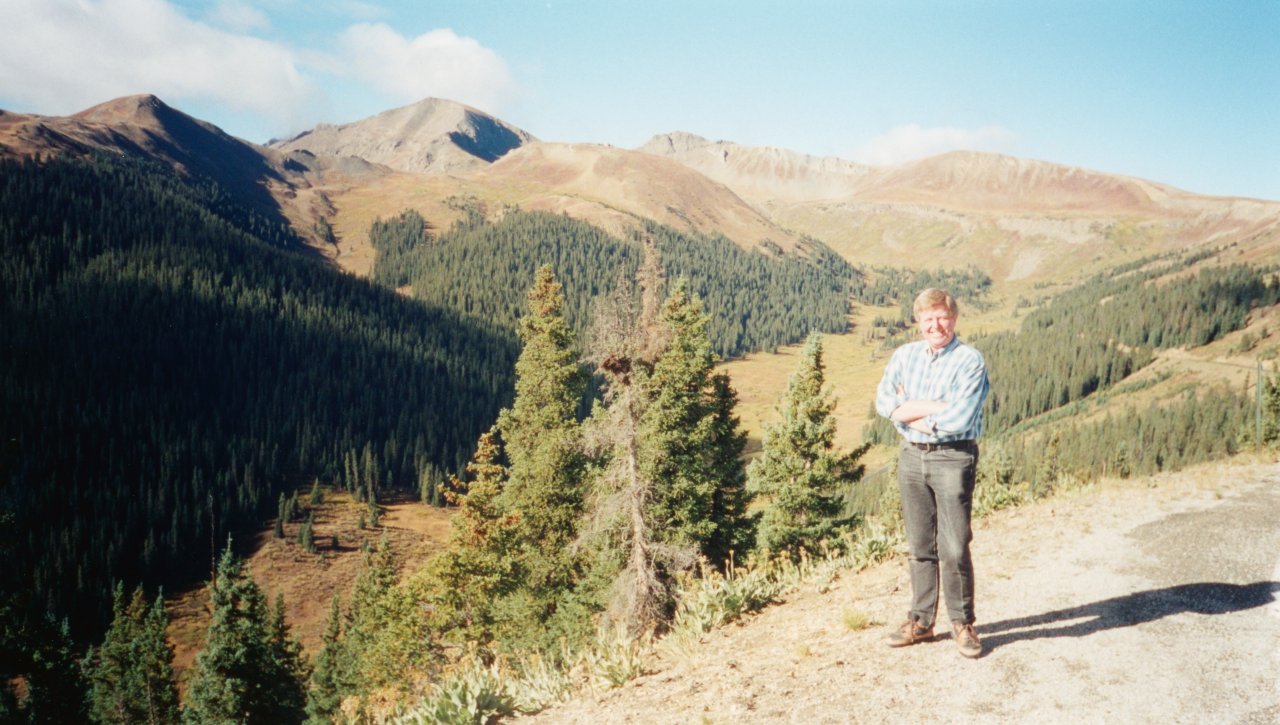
{"points": [[1179, 91]]}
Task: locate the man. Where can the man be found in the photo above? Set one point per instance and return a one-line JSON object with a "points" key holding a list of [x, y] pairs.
{"points": [[933, 391]]}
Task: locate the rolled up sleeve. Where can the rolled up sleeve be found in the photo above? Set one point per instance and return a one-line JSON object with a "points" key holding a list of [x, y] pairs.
{"points": [[964, 400], [887, 396]]}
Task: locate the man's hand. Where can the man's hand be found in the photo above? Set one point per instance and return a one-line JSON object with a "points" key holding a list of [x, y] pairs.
{"points": [[921, 426], [913, 410]]}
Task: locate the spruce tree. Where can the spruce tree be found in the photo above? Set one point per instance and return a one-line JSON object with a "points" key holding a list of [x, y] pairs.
{"points": [[1271, 408], [307, 535], [289, 690], [329, 682], [387, 643], [733, 530], [244, 673], [55, 686], [281, 515], [539, 433], [130, 676], [676, 425], [799, 473], [479, 566], [363, 621]]}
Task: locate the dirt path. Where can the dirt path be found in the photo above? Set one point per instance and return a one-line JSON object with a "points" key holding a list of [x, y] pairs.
{"points": [[1148, 603]]}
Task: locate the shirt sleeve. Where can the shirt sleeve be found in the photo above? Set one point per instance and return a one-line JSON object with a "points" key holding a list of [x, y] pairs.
{"points": [[887, 396], [964, 399]]}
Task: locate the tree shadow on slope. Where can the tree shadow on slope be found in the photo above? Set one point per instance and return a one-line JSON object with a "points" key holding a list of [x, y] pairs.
{"points": [[1131, 609]]}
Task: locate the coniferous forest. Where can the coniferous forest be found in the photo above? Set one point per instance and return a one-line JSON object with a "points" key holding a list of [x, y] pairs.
{"points": [[175, 366], [758, 300], [170, 365]]}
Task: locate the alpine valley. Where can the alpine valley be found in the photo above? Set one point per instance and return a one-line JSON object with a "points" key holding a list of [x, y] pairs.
{"points": [[206, 338]]}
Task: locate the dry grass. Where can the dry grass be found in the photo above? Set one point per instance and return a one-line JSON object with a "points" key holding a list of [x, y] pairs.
{"points": [[309, 581], [856, 620]]}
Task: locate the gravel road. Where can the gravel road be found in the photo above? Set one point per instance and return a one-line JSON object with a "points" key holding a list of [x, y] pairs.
{"points": [[1150, 602]]}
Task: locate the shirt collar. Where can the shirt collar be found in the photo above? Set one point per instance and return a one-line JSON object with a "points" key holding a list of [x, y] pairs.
{"points": [[955, 340]]}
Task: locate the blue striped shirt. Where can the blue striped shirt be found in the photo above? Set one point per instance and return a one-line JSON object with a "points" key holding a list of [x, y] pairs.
{"points": [[957, 375]]}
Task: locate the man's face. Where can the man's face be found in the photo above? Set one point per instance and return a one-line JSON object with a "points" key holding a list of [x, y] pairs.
{"points": [[937, 326]]}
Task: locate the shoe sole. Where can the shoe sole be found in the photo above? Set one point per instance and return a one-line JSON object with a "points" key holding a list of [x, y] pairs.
{"points": [[917, 640]]}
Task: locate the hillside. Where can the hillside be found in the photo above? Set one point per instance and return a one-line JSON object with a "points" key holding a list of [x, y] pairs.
{"points": [[178, 359], [226, 366], [431, 136], [1020, 220], [144, 126], [1075, 595], [272, 184]]}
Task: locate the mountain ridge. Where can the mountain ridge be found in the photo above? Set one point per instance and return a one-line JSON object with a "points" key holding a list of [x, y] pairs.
{"points": [[1018, 219], [431, 136]]}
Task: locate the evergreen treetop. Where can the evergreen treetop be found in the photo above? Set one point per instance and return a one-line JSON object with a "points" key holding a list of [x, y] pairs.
{"points": [[248, 671], [799, 474], [130, 676]]}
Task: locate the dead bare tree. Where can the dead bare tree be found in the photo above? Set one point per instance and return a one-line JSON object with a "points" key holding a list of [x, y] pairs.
{"points": [[625, 344]]}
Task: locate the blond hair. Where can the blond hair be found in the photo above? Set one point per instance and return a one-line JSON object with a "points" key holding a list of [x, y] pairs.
{"points": [[931, 298]]}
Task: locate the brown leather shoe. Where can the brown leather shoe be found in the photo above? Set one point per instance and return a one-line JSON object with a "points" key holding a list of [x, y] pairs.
{"points": [[967, 640], [909, 633]]}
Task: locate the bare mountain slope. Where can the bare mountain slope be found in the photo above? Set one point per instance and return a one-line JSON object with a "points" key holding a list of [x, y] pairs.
{"points": [[273, 183], [430, 136], [763, 175], [612, 188], [1018, 219], [144, 126], [579, 176]]}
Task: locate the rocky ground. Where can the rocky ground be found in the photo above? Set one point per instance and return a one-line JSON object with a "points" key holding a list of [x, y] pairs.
{"points": [[1144, 602]]}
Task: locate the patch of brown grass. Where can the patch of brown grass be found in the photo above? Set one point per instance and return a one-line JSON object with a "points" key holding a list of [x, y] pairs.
{"points": [[309, 581]]}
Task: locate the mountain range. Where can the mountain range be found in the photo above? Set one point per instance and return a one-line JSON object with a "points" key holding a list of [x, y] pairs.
{"points": [[1017, 219]]}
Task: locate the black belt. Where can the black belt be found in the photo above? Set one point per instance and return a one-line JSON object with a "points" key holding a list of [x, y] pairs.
{"points": [[945, 445]]}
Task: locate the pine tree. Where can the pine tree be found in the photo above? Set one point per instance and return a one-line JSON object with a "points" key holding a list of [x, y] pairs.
{"points": [[733, 531], [479, 566], [289, 690], [387, 642], [55, 687], [317, 494], [676, 425], [799, 474], [329, 681], [363, 621], [539, 433], [281, 515], [131, 676], [1271, 408], [306, 534], [244, 673]]}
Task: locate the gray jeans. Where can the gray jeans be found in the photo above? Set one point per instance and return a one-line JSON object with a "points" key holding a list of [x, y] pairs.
{"points": [[937, 499]]}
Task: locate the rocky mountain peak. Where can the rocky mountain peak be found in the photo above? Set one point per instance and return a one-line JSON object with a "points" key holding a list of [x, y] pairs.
{"points": [[431, 136]]}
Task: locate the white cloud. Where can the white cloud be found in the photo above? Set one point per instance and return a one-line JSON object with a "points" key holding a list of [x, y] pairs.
{"points": [[911, 142], [239, 16], [61, 56], [438, 63]]}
